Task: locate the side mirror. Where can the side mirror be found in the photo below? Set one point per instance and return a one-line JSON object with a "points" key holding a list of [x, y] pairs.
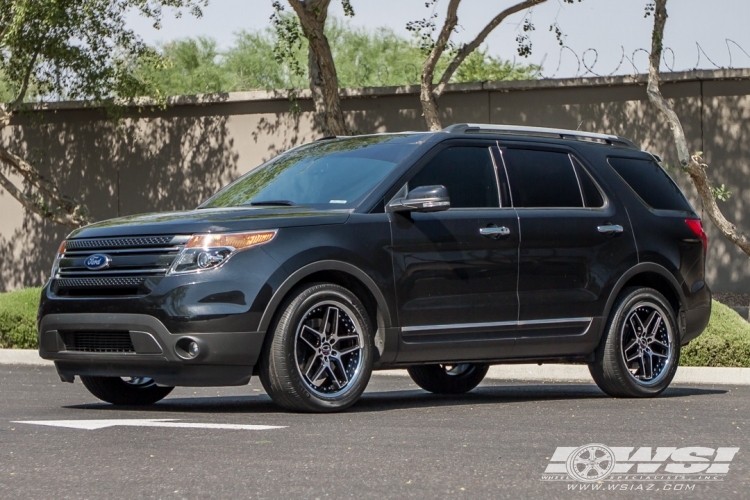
{"points": [[422, 199]]}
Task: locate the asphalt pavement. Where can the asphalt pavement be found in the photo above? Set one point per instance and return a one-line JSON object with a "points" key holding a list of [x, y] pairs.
{"points": [[499, 441]]}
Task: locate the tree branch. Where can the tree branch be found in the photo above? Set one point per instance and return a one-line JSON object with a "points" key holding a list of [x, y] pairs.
{"points": [[72, 220], [470, 47], [692, 164]]}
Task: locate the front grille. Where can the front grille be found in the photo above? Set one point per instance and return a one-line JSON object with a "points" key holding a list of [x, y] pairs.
{"points": [[128, 258], [100, 243], [99, 282], [114, 342]]}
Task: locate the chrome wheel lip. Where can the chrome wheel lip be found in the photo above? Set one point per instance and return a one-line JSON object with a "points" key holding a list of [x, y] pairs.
{"points": [[666, 351], [138, 381], [297, 339], [457, 369]]}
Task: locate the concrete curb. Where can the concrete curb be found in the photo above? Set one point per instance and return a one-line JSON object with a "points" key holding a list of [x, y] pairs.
{"points": [[22, 357], [580, 373], [528, 373]]}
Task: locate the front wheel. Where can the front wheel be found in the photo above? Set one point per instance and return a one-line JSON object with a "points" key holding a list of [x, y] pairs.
{"points": [[448, 379], [639, 355], [126, 390], [320, 355]]}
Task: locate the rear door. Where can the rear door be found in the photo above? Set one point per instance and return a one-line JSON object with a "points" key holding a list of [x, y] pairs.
{"points": [[575, 243], [456, 271]]}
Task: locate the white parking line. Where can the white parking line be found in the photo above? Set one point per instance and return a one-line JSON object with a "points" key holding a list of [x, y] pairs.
{"points": [[90, 425]]}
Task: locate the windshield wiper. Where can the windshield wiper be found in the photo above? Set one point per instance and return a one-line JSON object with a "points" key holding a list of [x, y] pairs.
{"points": [[271, 203]]}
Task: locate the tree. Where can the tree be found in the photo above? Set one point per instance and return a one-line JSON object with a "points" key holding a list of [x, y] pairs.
{"points": [[430, 91], [324, 82], [693, 164], [71, 50]]}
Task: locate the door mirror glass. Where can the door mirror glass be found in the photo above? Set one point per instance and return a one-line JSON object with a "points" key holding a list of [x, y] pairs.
{"points": [[422, 199]]}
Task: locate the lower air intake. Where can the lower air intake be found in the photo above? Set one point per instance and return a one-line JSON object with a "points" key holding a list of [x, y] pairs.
{"points": [[113, 342]]}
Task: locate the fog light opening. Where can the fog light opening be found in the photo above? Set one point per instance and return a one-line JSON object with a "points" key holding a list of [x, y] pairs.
{"points": [[188, 348]]}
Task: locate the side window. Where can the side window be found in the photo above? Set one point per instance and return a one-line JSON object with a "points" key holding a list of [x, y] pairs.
{"points": [[651, 183], [542, 179], [467, 172], [592, 196]]}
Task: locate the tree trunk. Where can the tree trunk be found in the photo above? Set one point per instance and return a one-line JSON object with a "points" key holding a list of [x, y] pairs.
{"points": [[324, 82], [692, 164], [427, 97]]}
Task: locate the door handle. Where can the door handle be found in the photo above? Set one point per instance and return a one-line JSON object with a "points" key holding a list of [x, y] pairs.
{"points": [[494, 232], [610, 229]]}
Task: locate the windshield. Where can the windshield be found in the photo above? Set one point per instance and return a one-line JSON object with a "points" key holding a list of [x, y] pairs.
{"points": [[335, 173]]}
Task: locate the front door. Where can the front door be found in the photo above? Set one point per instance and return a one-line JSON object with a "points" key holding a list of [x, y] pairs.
{"points": [[456, 271]]}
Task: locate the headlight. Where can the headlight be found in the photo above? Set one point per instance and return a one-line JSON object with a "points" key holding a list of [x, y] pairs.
{"points": [[209, 251], [56, 263]]}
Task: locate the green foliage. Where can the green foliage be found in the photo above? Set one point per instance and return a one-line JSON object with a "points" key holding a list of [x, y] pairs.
{"points": [[726, 341], [276, 58], [721, 192], [75, 50], [18, 319]]}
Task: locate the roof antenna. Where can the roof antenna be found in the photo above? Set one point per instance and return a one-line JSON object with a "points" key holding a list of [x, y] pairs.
{"points": [[579, 126]]}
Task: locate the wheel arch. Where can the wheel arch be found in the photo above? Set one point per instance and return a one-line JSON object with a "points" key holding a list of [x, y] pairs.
{"points": [[653, 276], [339, 273]]}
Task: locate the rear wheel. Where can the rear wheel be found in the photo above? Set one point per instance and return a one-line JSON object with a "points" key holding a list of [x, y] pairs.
{"points": [[639, 355], [448, 379], [321, 354], [126, 390]]}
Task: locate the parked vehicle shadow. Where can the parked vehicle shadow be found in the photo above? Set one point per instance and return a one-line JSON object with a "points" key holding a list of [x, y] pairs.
{"points": [[400, 399]]}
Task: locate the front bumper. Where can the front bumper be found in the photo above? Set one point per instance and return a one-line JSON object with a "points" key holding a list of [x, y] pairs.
{"points": [[225, 358]]}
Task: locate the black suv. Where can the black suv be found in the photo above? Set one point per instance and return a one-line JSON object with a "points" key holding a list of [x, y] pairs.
{"points": [[441, 252]]}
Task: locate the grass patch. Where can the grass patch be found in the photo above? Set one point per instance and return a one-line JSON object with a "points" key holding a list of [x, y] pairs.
{"points": [[18, 318], [725, 342]]}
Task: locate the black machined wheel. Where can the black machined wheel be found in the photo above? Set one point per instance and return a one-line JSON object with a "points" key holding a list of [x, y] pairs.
{"points": [[136, 391], [639, 355], [448, 378], [321, 353]]}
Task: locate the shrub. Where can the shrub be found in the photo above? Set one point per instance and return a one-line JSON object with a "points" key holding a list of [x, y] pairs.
{"points": [[726, 341], [18, 318]]}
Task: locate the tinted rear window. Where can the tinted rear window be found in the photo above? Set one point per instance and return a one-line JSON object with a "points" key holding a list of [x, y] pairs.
{"points": [[651, 183], [542, 179]]}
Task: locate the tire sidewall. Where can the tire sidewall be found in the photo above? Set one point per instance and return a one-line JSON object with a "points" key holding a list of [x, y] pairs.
{"points": [[306, 300]]}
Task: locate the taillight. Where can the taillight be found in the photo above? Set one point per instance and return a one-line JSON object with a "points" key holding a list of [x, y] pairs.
{"points": [[697, 227]]}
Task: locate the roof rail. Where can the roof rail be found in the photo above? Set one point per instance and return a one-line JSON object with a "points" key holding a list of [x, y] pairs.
{"points": [[468, 128]]}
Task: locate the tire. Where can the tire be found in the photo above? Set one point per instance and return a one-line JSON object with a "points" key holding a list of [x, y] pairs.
{"points": [[448, 379], [307, 365], [639, 353], [136, 391]]}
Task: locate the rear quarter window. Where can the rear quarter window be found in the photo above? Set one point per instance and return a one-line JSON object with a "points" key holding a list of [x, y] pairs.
{"points": [[651, 183]]}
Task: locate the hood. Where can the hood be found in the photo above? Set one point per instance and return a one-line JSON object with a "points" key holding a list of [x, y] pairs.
{"points": [[211, 220]]}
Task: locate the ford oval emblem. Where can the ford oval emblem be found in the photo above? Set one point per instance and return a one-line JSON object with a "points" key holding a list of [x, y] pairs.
{"points": [[97, 261]]}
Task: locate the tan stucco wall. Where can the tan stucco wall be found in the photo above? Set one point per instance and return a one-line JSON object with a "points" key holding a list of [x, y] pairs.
{"points": [[172, 159]]}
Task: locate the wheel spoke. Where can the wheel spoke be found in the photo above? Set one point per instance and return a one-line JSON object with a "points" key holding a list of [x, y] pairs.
{"points": [[318, 373], [311, 331], [347, 337], [655, 329], [636, 325], [340, 367], [347, 350], [659, 343], [648, 366], [652, 353], [306, 340], [331, 322]]}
